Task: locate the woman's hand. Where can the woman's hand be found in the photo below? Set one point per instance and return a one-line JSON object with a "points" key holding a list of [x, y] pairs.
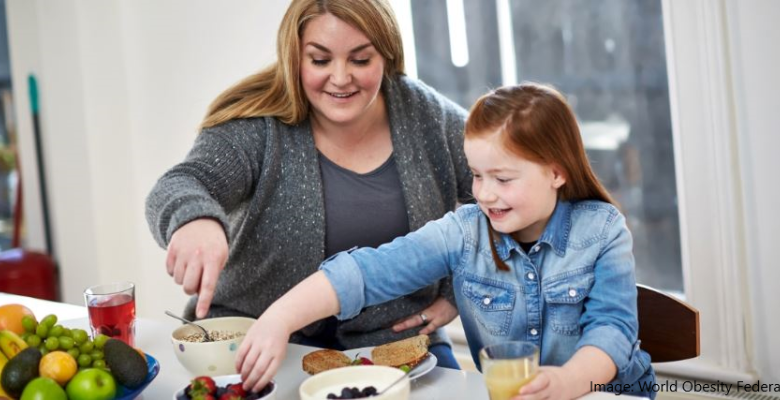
{"points": [[549, 383], [196, 256], [262, 352], [438, 314]]}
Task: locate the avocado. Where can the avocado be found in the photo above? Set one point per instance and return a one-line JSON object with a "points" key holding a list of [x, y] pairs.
{"points": [[126, 364], [20, 370]]}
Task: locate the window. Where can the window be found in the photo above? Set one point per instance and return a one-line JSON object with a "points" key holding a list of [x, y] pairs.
{"points": [[608, 57]]}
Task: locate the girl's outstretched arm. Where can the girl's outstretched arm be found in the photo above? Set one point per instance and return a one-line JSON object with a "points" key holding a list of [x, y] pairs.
{"points": [[265, 344]]}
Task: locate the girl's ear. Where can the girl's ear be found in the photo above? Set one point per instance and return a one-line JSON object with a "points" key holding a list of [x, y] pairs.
{"points": [[559, 177]]}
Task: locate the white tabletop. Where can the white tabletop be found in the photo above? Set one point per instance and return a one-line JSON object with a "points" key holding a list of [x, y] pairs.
{"points": [[154, 338]]}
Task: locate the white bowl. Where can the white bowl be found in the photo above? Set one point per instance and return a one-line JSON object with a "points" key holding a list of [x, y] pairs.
{"points": [[318, 386], [224, 381], [210, 358]]}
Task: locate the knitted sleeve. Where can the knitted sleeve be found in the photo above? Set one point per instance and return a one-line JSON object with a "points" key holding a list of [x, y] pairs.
{"points": [[216, 176]]}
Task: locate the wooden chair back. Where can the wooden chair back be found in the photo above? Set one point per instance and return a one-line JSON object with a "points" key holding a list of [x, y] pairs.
{"points": [[668, 327]]}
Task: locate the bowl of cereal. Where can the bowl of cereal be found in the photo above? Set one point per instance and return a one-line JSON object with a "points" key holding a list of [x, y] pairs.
{"points": [[217, 357]]}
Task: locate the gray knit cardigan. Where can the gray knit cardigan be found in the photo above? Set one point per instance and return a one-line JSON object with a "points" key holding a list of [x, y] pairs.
{"points": [[261, 179]]}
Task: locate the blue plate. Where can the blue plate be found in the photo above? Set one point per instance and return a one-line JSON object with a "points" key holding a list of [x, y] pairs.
{"points": [[124, 393]]}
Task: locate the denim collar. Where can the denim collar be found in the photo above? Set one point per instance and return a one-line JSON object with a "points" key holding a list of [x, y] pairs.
{"points": [[556, 233]]}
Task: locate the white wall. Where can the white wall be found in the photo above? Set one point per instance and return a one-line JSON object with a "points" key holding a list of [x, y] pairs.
{"points": [[755, 56], [124, 84]]}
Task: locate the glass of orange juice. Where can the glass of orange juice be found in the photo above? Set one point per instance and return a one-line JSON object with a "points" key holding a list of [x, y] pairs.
{"points": [[508, 366]]}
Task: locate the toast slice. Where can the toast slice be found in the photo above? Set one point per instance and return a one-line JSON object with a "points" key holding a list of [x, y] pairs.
{"points": [[411, 352], [323, 360]]}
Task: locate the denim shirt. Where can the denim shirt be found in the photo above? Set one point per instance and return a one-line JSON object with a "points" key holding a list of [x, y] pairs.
{"points": [[574, 288]]}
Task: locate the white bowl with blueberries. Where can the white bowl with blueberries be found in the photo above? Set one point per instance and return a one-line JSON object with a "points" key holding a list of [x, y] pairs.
{"points": [[356, 382]]}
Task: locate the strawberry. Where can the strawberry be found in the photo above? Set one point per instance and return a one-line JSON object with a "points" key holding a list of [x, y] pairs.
{"points": [[236, 388], [362, 360], [202, 385]]}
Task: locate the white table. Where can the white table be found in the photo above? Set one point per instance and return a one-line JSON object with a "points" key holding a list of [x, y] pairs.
{"points": [[154, 338]]}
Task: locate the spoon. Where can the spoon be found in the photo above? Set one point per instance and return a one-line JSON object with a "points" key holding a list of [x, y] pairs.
{"points": [[205, 332], [397, 380]]}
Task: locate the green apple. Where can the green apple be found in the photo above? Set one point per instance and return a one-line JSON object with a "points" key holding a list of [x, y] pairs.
{"points": [[91, 384], [43, 389]]}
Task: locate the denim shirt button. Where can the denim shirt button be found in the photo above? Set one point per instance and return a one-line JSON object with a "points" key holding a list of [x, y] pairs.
{"points": [[486, 301], [534, 332], [535, 249], [531, 276], [572, 292]]}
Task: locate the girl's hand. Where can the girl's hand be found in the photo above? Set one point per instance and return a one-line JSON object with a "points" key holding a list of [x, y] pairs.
{"points": [[550, 383], [196, 256], [438, 314], [262, 352]]}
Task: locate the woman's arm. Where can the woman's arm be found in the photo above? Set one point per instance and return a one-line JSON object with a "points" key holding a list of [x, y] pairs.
{"points": [[265, 345]]}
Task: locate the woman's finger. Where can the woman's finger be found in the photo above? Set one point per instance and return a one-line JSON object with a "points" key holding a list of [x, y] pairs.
{"points": [[192, 277], [408, 323], [267, 376]]}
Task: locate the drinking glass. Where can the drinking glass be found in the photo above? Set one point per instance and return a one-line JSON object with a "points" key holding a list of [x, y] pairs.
{"points": [[508, 366], [112, 310]]}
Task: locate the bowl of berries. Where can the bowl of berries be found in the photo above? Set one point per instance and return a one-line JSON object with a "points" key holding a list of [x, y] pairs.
{"points": [[357, 382], [226, 387]]}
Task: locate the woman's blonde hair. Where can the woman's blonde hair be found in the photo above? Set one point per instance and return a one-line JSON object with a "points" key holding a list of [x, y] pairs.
{"points": [[536, 123], [276, 90]]}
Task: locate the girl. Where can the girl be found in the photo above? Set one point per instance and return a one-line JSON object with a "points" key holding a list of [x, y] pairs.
{"points": [[544, 257]]}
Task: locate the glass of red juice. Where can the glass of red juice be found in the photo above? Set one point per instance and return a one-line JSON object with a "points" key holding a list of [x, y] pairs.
{"points": [[112, 310]]}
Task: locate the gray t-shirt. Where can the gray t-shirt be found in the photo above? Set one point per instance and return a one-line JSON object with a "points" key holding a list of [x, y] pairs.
{"points": [[363, 210]]}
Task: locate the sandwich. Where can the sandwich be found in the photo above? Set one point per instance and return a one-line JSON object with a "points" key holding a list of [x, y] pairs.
{"points": [[323, 360], [409, 352], [403, 353]]}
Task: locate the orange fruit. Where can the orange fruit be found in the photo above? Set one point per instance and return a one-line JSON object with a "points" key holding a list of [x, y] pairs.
{"points": [[11, 317], [58, 365]]}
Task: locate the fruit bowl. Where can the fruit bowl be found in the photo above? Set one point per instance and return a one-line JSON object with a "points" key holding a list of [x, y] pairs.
{"points": [[210, 358], [124, 393], [225, 380], [318, 387]]}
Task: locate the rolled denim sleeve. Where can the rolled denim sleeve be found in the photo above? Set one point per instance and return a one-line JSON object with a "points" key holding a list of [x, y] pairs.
{"points": [[344, 274], [609, 321]]}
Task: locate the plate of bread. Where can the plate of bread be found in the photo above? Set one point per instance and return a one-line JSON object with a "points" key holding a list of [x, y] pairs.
{"points": [[408, 354]]}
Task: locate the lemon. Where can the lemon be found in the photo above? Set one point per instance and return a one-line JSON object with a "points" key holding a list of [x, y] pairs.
{"points": [[58, 365]]}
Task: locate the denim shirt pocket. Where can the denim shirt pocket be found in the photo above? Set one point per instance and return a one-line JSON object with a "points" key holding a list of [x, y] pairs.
{"points": [[492, 303], [565, 299]]}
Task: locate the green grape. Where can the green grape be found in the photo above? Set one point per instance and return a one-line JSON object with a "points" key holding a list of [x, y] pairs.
{"points": [[80, 336], [29, 323], [44, 351], [99, 364], [52, 343], [56, 331], [74, 352], [42, 330], [87, 347], [67, 332], [96, 354], [49, 320], [100, 341], [34, 341], [66, 343], [25, 335], [84, 360]]}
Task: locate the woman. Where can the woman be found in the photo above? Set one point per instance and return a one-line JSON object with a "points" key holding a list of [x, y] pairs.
{"points": [[330, 148]]}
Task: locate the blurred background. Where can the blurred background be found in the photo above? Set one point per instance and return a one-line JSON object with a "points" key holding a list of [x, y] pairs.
{"points": [[676, 100]]}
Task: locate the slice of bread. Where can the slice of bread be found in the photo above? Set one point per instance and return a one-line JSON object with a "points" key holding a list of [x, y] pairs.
{"points": [[323, 360], [411, 352]]}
